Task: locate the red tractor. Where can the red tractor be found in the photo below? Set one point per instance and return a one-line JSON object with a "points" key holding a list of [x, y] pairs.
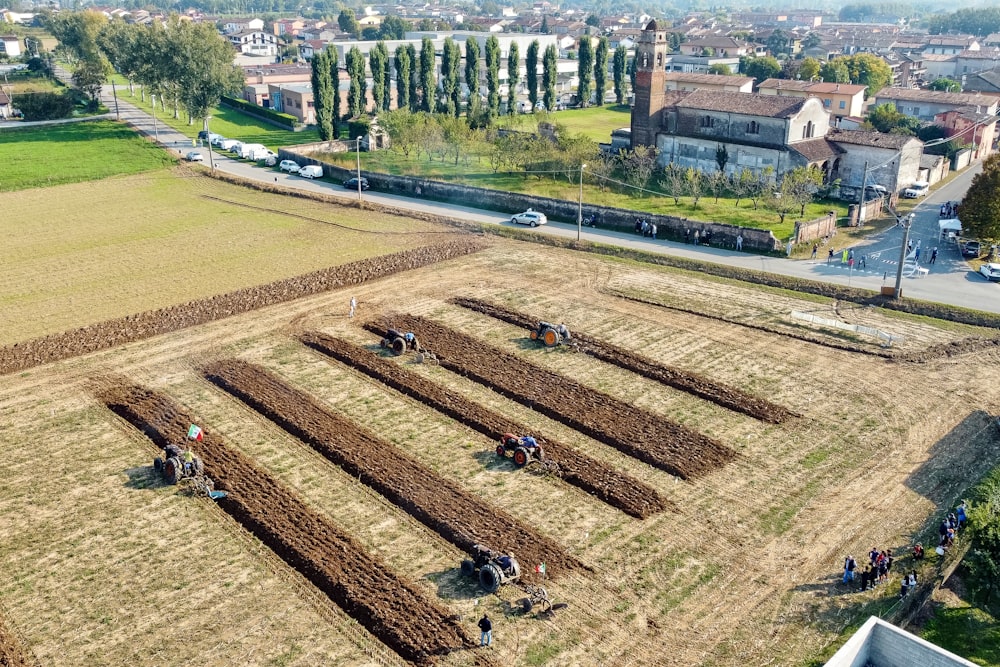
{"points": [[524, 450]]}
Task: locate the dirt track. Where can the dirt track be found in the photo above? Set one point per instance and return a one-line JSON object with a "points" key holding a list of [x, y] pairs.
{"points": [[656, 440], [112, 333], [448, 510], [691, 383], [595, 477], [332, 560]]}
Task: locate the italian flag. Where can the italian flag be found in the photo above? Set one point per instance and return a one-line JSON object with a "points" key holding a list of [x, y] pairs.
{"points": [[194, 433]]}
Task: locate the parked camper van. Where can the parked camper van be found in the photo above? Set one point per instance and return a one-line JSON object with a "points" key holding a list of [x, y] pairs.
{"points": [[311, 171], [250, 151]]}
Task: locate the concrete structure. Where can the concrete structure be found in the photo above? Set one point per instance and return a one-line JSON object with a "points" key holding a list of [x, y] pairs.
{"points": [[10, 45], [234, 25], [717, 82], [893, 160], [840, 99], [255, 43], [925, 104], [678, 62], [983, 82], [295, 99], [950, 45], [723, 47], [881, 644], [973, 62]]}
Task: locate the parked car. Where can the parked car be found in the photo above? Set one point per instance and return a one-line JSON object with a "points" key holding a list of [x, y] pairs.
{"points": [[352, 183], [236, 147], [990, 271], [918, 189], [194, 156], [532, 218], [209, 136], [218, 139], [290, 166], [226, 144], [972, 249], [271, 160], [311, 171]]}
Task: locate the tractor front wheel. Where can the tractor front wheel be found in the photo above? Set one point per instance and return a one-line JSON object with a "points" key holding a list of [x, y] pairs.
{"points": [[501, 452], [468, 568], [158, 464], [490, 578], [520, 457], [534, 335], [398, 346]]}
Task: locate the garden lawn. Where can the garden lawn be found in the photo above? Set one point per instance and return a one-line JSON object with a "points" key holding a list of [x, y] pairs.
{"points": [[225, 121], [596, 123], [967, 631], [73, 152]]}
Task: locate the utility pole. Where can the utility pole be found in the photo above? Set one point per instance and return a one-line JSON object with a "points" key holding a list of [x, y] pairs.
{"points": [[861, 198], [156, 133], [359, 168], [902, 255], [114, 92]]}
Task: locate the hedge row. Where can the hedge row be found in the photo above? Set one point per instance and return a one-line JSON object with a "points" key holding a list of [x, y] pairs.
{"points": [[283, 119]]}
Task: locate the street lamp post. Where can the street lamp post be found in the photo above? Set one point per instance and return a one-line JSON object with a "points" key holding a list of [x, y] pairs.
{"points": [[358, 150], [579, 210], [208, 139], [156, 133]]}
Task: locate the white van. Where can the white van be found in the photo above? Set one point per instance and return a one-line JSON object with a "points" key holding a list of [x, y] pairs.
{"points": [[248, 151], [918, 189], [311, 171]]}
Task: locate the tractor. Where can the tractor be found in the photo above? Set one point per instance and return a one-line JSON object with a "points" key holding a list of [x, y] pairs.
{"points": [[524, 450], [174, 468], [400, 342], [494, 569], [551, 335]]}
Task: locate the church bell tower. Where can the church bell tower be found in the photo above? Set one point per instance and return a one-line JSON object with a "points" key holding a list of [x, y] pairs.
{"points": [[650, 84]]}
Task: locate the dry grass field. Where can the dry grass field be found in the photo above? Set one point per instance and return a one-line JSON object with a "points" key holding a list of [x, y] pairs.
{"points": [[102, 564]]}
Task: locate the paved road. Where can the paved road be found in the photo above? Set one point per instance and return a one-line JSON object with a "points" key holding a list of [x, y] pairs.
{"points": [[949, 280]]}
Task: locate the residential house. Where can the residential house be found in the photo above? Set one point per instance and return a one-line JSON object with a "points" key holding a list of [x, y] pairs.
{"points": [[324, 34], [983, 82], [840, 99], [236, 25], [973, 62], [259, 78], [910, 72], [950, 45], [728, 84], [5, 106], [295, 99], [938, 65], [874, 158], [309, 48], [925, 104], [969, 126], [720, 46], [288, 28], [255, 43], [10, 45]]}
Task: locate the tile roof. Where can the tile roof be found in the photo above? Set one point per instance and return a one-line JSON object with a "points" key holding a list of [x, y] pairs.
{"points": [[815, 150], [938, 96], [772, 106], [695, 77], [869, 138]]}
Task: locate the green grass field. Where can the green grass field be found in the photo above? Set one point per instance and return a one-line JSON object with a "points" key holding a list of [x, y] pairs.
{"points": [[227, 122], [596, 123], [74, 152]]}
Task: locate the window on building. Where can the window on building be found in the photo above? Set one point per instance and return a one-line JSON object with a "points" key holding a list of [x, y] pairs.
{"points": [[807, 131], [753, 127], [843, 104], [707, 121], [659, 60], [826, 104]]}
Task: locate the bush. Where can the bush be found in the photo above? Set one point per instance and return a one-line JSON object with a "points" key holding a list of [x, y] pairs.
{"points": [[358, 127], [283, 119], [45, 106]]}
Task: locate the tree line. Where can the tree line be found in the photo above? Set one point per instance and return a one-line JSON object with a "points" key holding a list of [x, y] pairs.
{"points": [[863, 69], [422, 85]]}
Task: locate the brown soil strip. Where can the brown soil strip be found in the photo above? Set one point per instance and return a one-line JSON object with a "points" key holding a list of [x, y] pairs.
{"points": [[441, 505], [691, 383], [394, 610], [12, 651], [955, 348], [595, 477], [121, 330], [643, 435]]}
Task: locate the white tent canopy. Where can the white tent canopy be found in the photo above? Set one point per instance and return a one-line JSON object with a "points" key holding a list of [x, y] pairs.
{"points": [[950, 225]]}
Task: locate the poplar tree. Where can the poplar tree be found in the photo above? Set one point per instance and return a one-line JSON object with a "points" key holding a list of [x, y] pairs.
{"points": [[620, 66], [513, 76], [493, 76], [531, 76], [450, 57], [472, 75], [404, 74], [601, 70], [584, 70], [549, 73], [378, 62], [359, 88], [428, 86], [322, 87]]}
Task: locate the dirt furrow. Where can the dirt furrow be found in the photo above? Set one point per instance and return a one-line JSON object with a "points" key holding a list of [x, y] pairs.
{"points": [[691, 383], [656, 440], [333, 561], [595, 477], [441, 505], [121, 330], [12, 652]]}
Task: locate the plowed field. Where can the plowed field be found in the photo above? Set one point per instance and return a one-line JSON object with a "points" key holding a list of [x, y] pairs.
{"points": [[438, 503], [692, 383], [119, 331], [12, 654], [659, 442], [595, 477], [357, 581]]}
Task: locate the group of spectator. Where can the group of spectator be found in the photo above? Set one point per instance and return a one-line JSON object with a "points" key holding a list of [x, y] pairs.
{"points": [[949, 209], [698, 237], [646, 228], [950, 525]]}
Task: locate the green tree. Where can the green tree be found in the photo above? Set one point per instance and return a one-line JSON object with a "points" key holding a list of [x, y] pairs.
{"points": [[493, 76], [549, 64], [334, 67], [544, 29], [869, 70], [981, 205], [393, 27], [404, 76], [835, 71], [357, 93], [348, 23], [601, 69], [618, 71], [593, 20], [584, 70], [78, 32], [885, 117], [323, 92], [203, 80], [719, 68], [812, 40], [721, 157], [89, 76], [764, 67], [428, 86], [378, 62], [472, 76], [451, 93], [513, 76], [120, 43], [531, 72], [778, 42], [809, 69], [946, 84]]}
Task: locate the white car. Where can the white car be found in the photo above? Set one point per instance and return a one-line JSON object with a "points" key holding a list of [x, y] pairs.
{"points": [[918, 189], [532, 218], [194, 156], [990, 271], [217, 140], [291, 166], [227, 144]]}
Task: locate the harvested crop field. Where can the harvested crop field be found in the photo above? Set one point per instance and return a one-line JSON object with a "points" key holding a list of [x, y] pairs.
{"points": [[613, 487], [97, 557], [330, 559], [671, 447]]}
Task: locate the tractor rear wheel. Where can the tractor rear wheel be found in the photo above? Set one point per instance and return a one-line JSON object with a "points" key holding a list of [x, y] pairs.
{"points": [[172, 470], [398, 346], [501, 452], [490, 578], [550, 337], [468, 568], [158, 464], [521, 457]]}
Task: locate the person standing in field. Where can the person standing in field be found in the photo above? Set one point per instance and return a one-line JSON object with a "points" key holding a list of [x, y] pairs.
{"points": [[486, 631], [739, 242], [354, 306], [815, 250]]}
